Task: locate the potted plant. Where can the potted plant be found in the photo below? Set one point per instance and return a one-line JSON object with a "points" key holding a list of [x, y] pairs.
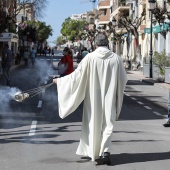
{"points": [[159, 59]]}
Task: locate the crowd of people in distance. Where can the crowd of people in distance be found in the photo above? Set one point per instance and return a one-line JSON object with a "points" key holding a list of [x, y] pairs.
{"points": [[46, 51]]}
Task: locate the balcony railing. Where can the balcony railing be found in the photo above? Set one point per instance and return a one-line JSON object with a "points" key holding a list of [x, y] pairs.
{"points": [[118, 8], [128, 2], [103, 18], [104, 3]]}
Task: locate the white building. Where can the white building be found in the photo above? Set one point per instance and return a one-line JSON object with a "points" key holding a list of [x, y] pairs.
{"points": [[78, 17]]}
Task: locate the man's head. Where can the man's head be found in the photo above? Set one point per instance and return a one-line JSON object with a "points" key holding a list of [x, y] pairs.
{"points": [[66, 51], [101, 39]]}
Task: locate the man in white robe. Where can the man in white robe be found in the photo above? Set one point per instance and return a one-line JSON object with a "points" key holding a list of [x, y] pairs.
{"points": [[99, 81]]}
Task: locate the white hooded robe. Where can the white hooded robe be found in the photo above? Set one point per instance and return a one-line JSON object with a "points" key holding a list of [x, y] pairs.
{"points": [[99, 80]]}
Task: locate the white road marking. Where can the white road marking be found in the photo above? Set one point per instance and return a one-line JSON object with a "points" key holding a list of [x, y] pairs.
{"points": [[39, 104], [32, 129], [127, 94], [133, 98], [147, 107], [158, 114], [140, 102]]}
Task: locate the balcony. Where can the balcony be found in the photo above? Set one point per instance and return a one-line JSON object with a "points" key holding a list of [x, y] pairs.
{"points": [[128, 2], [119, 8], [103, 5], [91, 16], [103, 19]]}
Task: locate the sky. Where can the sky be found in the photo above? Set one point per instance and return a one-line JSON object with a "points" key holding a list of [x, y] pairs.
{"points": [[58, 10]]}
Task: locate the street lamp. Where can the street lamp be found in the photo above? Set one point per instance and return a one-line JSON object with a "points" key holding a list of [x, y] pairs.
{"points": [[151, 7]]}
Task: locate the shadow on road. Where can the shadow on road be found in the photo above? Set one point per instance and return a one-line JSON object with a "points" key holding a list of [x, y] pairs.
{"points": [[40, 136], [127, 158]]}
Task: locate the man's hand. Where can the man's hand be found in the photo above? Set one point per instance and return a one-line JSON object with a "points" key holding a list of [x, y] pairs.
{"points": [[55, 80]]}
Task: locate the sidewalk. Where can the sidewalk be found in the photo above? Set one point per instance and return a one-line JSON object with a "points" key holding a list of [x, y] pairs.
{"points": [[139, 75]]}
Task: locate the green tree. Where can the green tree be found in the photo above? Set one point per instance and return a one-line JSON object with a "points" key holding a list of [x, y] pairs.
{"points": [[43, 31], [60, 40], [36, 31], [73, 29]]}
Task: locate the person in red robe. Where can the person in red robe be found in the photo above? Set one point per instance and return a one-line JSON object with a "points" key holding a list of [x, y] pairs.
{"points": [[67, 59]]}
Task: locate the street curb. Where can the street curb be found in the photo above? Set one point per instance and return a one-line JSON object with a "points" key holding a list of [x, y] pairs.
{"points": [[151, 82], [148, 82]]}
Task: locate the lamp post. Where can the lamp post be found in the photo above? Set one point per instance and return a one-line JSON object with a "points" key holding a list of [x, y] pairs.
{"points": [[114, 24], [152, 5]]}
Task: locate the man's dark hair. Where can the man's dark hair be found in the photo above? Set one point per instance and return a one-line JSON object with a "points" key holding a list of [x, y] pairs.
{"points": [[66, 49]]}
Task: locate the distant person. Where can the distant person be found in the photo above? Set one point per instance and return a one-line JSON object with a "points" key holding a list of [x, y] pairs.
{"points": [[99, 81], [18, 57], [7, 59], [33, 55], [52, 52], [26, 57], [49, 50], [45, 51], [73, 52], [67, 60], [84, 52]]}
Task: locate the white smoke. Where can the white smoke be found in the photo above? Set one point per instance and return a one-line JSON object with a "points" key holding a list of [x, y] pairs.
{"points": [[7, 94]]}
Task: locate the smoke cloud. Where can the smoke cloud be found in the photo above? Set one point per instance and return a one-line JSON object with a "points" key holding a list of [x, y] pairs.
{"points": [[7, 94]]}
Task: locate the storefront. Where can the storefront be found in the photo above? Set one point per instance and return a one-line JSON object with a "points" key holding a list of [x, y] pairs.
{"points": [[162, 37], [11, 39]]}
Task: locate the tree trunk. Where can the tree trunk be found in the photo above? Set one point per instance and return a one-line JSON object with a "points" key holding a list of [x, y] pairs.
{"points": [[92, 47], [138, 50]]}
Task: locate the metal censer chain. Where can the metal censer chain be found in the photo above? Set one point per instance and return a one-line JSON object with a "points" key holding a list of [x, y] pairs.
{"points": [[23, 95]]}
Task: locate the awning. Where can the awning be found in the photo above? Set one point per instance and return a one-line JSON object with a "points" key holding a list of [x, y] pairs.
{"points": [[158, 28]]}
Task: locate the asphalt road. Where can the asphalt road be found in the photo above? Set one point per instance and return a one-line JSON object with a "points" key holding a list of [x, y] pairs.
{"points": [[33, 137]]}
